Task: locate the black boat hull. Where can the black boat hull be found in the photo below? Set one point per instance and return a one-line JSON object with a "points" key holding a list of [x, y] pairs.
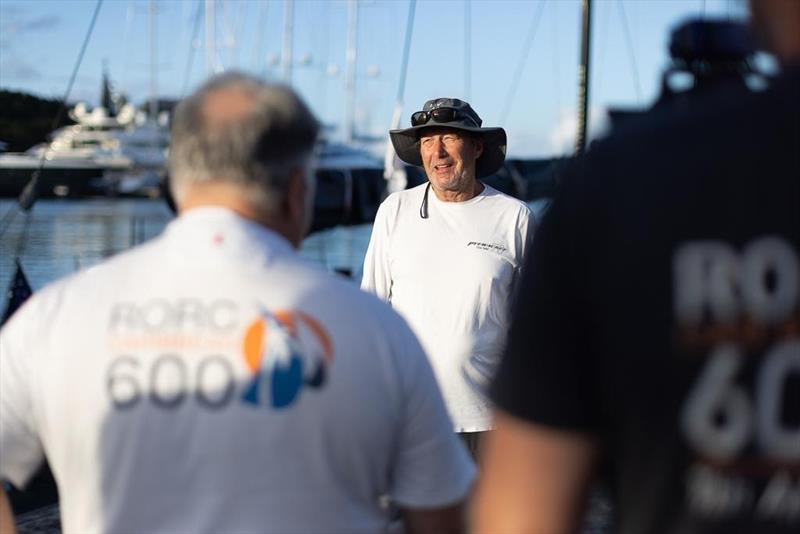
{"points": [[54, 182]]}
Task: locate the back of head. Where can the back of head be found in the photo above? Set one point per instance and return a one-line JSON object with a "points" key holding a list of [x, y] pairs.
{"points": [[240, 131]]}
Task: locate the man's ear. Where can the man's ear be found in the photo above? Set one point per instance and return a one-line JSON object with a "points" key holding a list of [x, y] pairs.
{"points": [[478, 140]]}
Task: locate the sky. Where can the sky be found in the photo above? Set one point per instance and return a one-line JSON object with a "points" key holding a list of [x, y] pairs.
{"points": [[516, 61]]}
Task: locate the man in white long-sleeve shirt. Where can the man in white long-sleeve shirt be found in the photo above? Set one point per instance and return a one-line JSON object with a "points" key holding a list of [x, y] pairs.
{"points": [[447, 254]]}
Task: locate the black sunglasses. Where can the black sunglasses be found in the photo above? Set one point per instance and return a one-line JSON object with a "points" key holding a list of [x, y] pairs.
{"points": [[439, 115]]}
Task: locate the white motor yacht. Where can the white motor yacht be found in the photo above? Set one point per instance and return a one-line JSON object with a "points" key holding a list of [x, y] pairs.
{"points": [[98, 155]]}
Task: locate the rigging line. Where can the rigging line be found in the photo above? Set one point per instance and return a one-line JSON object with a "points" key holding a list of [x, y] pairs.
{"points": [[29, 194], [8, 218], [28, 197], [23, 239], [401, 87], [631, 53], [523, 58], [391, 156], [78, 63], [192, 48]]}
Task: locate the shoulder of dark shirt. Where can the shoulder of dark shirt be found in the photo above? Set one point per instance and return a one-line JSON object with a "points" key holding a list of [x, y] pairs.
{"points": [[672, 137]]}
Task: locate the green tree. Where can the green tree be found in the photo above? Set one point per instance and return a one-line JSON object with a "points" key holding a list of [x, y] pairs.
{"points": [[26, 120]]}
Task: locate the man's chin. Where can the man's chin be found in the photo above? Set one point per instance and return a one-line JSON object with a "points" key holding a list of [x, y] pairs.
{"points": [[444, 183]]}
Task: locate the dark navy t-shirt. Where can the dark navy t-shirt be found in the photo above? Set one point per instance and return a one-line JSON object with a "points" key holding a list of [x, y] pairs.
{"points": [[660, 312]]}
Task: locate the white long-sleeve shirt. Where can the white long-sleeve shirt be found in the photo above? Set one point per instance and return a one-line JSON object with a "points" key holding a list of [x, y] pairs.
{"points": [[452, 276]]}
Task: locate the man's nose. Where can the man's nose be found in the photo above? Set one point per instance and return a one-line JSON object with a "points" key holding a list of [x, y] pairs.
{"points": [[439, 148]]}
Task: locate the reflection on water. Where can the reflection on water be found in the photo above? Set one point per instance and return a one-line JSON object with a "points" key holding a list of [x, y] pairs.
{"points": [[340, 249], [63, 236]]}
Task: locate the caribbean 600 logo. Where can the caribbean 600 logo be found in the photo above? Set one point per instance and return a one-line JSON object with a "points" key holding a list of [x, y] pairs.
{"points": [[285, 351], [279, 354]]}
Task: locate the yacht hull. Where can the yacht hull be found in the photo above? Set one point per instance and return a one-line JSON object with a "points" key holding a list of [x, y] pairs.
{"points": [[54, 182]]}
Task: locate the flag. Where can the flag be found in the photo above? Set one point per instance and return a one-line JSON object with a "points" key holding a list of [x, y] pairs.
{"points": [[18, 292]]}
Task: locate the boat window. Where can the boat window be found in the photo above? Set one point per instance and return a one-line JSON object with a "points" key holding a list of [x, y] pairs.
{"points": [[332, 202], [369, 188], [330, 189]]}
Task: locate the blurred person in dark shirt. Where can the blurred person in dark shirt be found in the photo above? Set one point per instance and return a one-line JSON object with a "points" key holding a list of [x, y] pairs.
{"points": [[657, 332]]}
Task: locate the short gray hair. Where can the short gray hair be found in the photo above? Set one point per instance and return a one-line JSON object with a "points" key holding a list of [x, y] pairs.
{"points": [[256, 150]]}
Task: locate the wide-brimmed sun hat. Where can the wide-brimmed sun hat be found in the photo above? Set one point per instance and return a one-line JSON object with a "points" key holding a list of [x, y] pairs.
{"points": [[456, 114]]}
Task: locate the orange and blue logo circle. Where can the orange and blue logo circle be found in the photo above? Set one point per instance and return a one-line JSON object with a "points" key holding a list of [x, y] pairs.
{"points": [[285, 350]]}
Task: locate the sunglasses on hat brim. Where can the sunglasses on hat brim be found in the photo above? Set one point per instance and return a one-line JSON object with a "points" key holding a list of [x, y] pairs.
{"points": [[439, 115]]}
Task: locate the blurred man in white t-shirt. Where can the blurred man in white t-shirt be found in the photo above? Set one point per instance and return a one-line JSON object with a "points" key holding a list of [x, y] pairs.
{"points": [[211, 380]]}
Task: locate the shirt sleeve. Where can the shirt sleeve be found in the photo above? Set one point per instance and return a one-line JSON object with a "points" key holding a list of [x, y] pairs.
{"points": [[21, 451], [433, 469], [545, 375], [377, 278], [528, 229]]}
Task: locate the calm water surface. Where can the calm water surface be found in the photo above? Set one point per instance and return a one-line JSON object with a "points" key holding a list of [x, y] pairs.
{"points": [[59, 237]]}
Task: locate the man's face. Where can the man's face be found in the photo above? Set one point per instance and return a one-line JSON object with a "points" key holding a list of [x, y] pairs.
{"points": [[448, 157]]}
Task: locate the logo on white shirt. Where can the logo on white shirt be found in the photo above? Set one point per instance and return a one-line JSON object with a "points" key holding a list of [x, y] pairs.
{"points": [[285, 350], [491, 247]]}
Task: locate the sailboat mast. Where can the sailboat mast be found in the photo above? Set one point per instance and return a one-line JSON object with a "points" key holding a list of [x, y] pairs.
{"points": [[467, 48], [211, 45], [153, 65], [350, 81], [401, 86], [391, 156], [286, 56], [583, 76]]}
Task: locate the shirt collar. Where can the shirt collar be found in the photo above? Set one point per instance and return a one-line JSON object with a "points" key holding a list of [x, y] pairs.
{"points": [[215, 229]]}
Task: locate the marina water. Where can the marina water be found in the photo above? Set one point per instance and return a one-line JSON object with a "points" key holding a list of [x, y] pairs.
{"points": [[64, 236]]}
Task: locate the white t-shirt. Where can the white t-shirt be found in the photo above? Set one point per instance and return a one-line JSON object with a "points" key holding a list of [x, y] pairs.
{"points": [[212, 381], [452, 276]]}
